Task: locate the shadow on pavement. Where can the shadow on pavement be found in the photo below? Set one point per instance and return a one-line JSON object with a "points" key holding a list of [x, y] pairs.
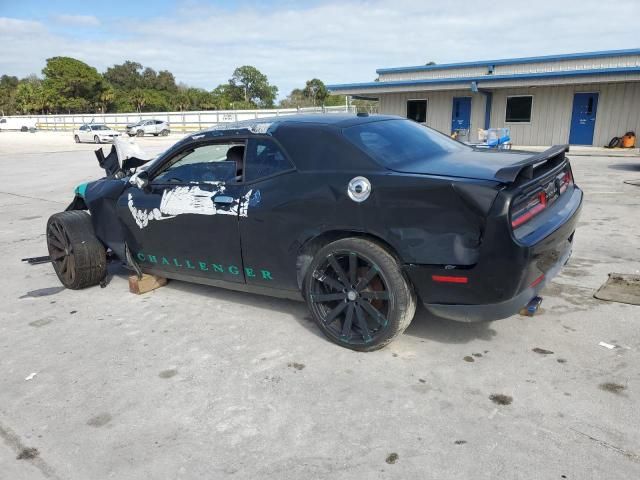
{"points": [[428, 326], [629, 167]]}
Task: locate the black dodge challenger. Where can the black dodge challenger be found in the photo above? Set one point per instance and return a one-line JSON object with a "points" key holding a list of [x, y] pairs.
{"points": [[361, 215]]}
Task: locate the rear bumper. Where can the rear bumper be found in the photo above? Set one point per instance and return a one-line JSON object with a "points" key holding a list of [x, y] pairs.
{"points": [[497, 311], [510, 271]]}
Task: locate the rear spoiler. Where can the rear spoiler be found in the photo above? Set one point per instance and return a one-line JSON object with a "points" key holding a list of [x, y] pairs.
{"points": [[525, 168]]}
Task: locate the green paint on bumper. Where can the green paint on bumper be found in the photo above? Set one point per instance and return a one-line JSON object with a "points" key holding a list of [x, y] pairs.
{"points": [[80, 189]]}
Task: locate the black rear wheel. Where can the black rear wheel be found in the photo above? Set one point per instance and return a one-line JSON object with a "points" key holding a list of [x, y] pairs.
{"points": [[78, 257], [358, 294]]}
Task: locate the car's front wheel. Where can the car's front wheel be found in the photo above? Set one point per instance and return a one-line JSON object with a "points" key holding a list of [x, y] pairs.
{"points": [[358, 294], [140, 133], [78, 257], [76, 138], [164, 132]]}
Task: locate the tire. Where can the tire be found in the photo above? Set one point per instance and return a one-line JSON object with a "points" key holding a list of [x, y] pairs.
{"points": [[76, 138], [164, 132], [155, 134], [366, 305], [78, 257], [140, 133], [96, 139]]}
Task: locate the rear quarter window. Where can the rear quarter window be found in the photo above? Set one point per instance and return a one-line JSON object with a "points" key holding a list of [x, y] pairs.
{"points": [[396, 142]]}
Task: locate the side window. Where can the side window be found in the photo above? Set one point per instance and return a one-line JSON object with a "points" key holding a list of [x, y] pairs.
{"points": [[221, 162], [4, 120], [519, 109], [264, 158], [417, 110]]}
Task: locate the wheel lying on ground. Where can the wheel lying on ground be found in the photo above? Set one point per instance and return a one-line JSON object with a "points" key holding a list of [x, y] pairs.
{"points": [[78, 257], [358, 294]]}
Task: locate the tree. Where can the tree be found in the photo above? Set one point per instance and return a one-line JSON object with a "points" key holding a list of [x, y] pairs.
{"points": [[126, 76], [107, 96], [295, 99], [165, 81], [138, 98], [316, 91], [71, 85], [250, 85], [182, 101], [8, 87]]}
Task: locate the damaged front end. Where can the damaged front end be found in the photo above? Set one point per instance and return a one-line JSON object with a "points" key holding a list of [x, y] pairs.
{"points": [[100, 197]]}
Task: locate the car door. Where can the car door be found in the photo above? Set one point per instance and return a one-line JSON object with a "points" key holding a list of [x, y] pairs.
{"points": [[184, 223], [85, 133], [271, 183]]}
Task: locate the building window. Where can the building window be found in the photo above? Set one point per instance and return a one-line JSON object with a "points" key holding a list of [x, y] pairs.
{"points": [[417, 110], [519, 109]]}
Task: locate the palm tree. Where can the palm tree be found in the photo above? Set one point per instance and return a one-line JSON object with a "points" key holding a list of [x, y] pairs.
{"points": [[106, 97], [139, 97]]}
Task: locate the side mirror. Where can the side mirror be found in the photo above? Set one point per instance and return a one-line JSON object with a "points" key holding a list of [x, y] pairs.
{"points": [[140, 179]]}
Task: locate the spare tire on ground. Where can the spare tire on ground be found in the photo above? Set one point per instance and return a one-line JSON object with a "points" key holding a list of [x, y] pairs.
{"points": [[78, 257]]}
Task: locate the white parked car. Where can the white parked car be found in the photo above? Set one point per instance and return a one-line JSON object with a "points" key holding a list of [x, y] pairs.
{"points": [[94, 132], [149, 127], [18, 123]]}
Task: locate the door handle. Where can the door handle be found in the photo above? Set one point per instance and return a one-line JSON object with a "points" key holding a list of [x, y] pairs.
{"points": [[223, 199]]}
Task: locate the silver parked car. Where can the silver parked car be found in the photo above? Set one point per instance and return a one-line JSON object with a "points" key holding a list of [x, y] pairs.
{"points": [[94, 132], [148, 127]]}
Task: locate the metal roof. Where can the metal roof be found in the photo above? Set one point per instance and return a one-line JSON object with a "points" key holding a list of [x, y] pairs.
{"points": [[511, 61], [484, 78]]}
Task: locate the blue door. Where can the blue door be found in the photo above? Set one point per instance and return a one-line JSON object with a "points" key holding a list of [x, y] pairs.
{"points": [[461, 114], [583, 118]]}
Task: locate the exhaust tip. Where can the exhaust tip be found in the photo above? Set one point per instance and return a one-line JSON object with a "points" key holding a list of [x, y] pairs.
{"points": [[531, 308]]}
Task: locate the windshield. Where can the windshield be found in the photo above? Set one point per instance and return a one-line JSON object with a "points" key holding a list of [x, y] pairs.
{"points": [[99, 127], [396, 142]]}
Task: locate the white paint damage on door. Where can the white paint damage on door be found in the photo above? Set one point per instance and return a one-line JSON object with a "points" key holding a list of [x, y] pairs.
{"points": [[189, 200]]}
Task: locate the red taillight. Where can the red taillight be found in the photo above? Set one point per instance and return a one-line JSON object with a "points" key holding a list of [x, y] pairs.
{"points": [[567, 179], [449, 279], [524, 210], [533, 208]]}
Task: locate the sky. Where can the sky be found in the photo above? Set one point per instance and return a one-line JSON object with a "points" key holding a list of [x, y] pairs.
{"points": [[338, 41]]}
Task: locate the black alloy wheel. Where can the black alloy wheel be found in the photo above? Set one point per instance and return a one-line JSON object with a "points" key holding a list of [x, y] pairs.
{"points": [[358, 295]]}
